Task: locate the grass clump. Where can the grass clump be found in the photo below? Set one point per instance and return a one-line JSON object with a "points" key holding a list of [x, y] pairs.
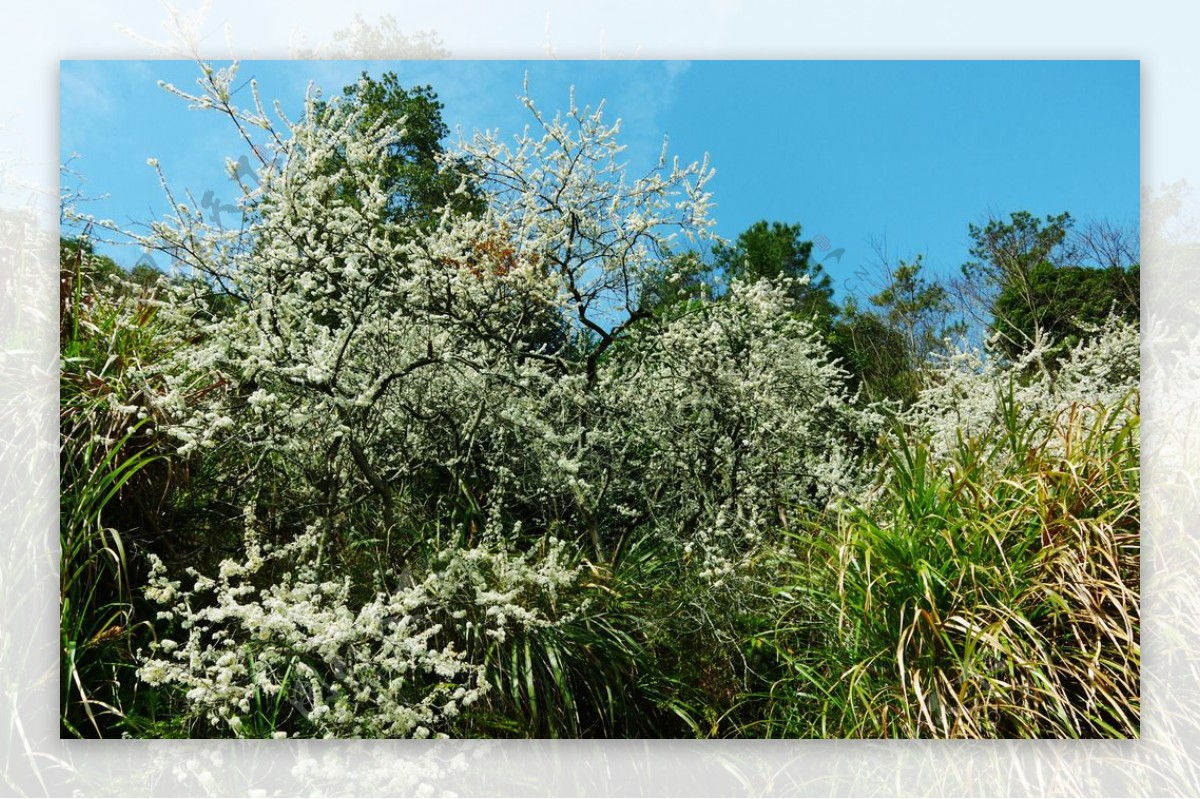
{"points": [[988, 593]]}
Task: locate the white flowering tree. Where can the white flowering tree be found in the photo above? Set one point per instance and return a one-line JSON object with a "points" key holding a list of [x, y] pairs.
{"points": [[734, 414], [565, 196], [354, 347], [428, 395], [358, 355]]}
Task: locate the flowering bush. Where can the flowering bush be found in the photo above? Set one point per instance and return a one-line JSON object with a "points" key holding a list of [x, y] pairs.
{"points": [[730, 415], [969, 389], [297, 655]]}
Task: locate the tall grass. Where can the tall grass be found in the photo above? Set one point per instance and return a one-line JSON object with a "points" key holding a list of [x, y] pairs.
{"points": [[627, 665], [95, 595], [993, 593], [106, 452]]}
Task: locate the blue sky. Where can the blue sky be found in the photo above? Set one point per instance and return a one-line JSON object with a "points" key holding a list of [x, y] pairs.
{"points": [[859, 153]]}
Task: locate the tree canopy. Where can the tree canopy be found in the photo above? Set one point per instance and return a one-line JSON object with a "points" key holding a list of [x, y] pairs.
{"points": [[775, 250], [1037, 286]]}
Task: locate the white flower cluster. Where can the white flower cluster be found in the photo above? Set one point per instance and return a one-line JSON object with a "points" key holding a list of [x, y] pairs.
{"points": [[346, 344], [398, 666], [969, 388], [564, 195]]}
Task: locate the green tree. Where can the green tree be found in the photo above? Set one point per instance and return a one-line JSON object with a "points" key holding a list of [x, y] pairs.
{"points": [[1006, 250], [1005, 255], [917, 308], [775, 250], [875, 356], [1032, 280], [1065, 304], [417, 177]]}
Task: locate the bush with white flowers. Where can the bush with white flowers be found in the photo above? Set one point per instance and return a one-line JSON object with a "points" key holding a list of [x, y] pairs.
{"points": [[968, 388], [295, 653], [731, 415]]}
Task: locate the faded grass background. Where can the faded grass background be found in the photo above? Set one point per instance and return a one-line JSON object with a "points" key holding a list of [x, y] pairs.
{"points": [[34, 761]]}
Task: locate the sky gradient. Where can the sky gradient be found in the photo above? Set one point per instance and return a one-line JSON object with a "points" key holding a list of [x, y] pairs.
{"points": [[863, 154]]}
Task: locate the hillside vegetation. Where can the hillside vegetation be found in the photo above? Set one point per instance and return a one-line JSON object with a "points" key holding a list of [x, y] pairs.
{"points": [[499, 441]]}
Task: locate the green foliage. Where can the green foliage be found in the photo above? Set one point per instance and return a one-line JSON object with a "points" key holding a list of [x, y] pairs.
{"points": [[633, 664], [876, 357], [1066, 304], [1006, 251], [776, 250], [1036, 287], [918, 309], [77, 256], [96, 601], [419, 184], [111, 483], [886, 346], [145, 275]]}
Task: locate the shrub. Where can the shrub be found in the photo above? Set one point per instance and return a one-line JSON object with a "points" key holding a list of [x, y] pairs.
{"points": [[297, 658]]}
